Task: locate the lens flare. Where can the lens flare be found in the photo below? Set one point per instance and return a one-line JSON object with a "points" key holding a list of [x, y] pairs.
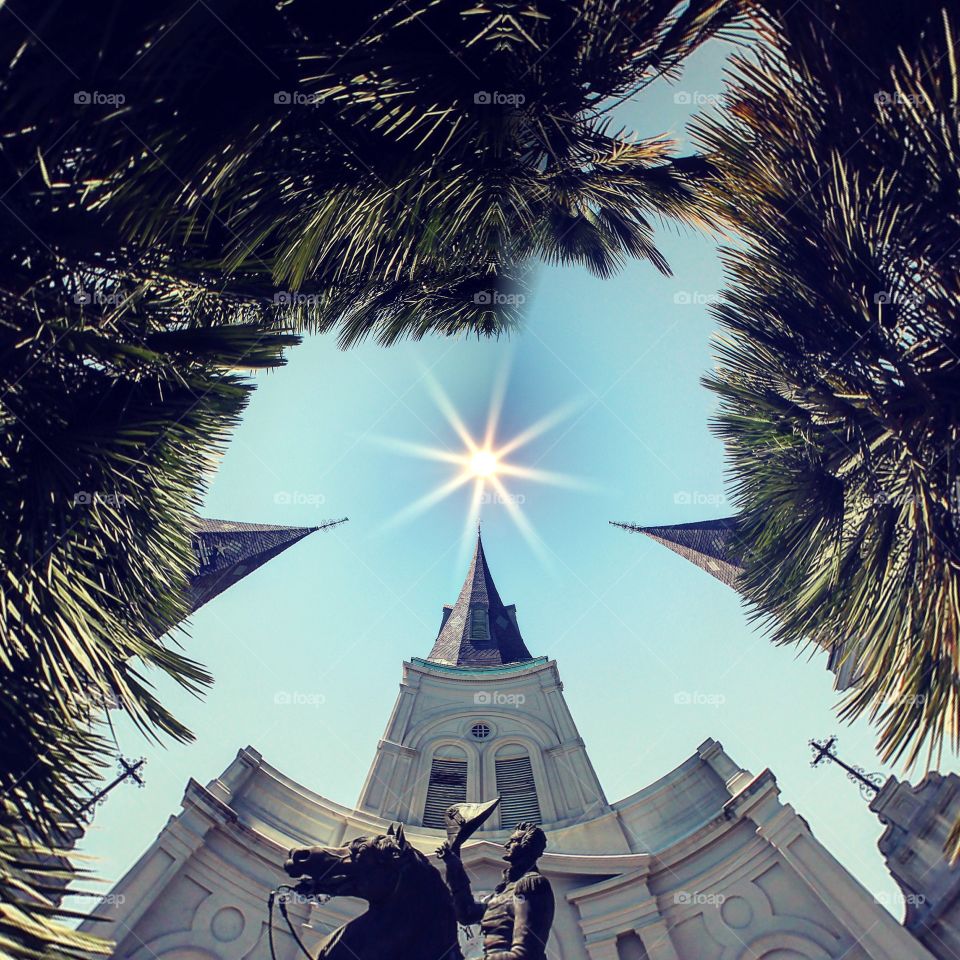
{"points": [[483, 463]]}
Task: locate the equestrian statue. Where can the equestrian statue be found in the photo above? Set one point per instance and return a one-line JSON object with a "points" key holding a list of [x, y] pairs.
{"points": [[412, 913]]}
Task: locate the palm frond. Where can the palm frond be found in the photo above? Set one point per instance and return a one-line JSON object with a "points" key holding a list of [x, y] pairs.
{"points": [[839, 367]]}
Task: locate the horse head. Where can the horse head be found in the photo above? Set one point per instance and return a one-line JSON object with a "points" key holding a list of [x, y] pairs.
{"points": [[369, 868], [410, 915]]}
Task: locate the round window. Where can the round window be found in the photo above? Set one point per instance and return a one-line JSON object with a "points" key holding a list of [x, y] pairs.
{"points": [[480, 731]]}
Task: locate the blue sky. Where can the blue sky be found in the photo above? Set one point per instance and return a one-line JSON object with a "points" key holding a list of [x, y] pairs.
{"points": [[633, 627]]}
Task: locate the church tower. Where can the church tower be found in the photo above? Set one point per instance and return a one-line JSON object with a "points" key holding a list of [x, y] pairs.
{"points": [[481, 717]]}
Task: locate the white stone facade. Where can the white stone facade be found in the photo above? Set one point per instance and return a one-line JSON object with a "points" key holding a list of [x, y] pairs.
{"points": [[918, 821], [522, 707], [704, 864]]}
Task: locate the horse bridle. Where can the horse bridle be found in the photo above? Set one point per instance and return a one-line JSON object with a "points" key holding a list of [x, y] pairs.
{"points": [[280, 895]]}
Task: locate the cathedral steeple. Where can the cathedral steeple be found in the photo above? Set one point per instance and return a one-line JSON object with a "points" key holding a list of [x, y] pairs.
{"points": [[482, 718], [478, 630], [713, 545], [227, 551]]}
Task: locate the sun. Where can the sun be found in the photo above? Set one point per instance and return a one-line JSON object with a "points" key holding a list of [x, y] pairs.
{"points": [[484, 463]]}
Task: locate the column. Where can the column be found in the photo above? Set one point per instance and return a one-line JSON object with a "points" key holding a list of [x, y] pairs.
{"points": [[603, 950], [656, 940]]}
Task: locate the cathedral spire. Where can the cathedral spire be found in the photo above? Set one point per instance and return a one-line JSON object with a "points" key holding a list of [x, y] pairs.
{"points": [[478, 630], [227, 551], [713, 545]]}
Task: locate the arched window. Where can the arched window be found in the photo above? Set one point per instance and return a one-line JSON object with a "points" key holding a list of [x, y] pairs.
{"points": [[516, 786], [448, 784]]}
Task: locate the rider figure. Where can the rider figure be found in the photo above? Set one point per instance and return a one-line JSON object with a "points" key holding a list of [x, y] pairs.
{"points": [[516, 918]]}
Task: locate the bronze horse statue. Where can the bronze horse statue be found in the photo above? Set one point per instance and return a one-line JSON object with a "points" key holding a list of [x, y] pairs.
{"points": [[411, 914]]}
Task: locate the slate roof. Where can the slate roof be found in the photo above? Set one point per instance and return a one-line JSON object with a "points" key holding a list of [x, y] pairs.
{"points": [[228, 550], [457, 644], [713, 545]]}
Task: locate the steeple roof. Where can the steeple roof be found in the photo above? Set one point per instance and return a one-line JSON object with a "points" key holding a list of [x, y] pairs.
{"points": [[713, 545], [478, 630], [717, 547], [227, 550]]}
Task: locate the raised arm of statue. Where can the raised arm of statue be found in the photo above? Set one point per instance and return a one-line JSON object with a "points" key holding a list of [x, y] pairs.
{"points": [[467, 909]]}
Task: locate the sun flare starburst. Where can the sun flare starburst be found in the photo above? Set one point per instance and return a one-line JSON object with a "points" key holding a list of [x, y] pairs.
{"points": [[484, 463]]}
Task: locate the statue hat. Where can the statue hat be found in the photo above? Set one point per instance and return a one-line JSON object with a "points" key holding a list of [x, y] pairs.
{"points": [[464, 819]]}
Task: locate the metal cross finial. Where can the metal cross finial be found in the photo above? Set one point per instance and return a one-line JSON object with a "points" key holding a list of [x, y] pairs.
{"points": [[129, 770], [821, 751], [869, 783]]}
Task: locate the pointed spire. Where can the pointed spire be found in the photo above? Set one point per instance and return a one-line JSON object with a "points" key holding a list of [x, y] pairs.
{"points": [[478, 630], [227, 551], [713, 545], [717, 547]]}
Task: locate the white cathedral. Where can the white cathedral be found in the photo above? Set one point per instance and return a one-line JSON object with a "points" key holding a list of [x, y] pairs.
{"points": [[706, 863]]}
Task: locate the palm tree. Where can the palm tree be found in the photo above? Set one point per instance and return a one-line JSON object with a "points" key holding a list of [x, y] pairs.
{"points": [[120, 381], [391, 169], [117, 392], [839, 361]]}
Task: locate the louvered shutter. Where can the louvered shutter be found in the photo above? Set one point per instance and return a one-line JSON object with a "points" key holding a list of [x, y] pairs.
{"points": [[448, 785], [518, 792], [479, 625]]}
